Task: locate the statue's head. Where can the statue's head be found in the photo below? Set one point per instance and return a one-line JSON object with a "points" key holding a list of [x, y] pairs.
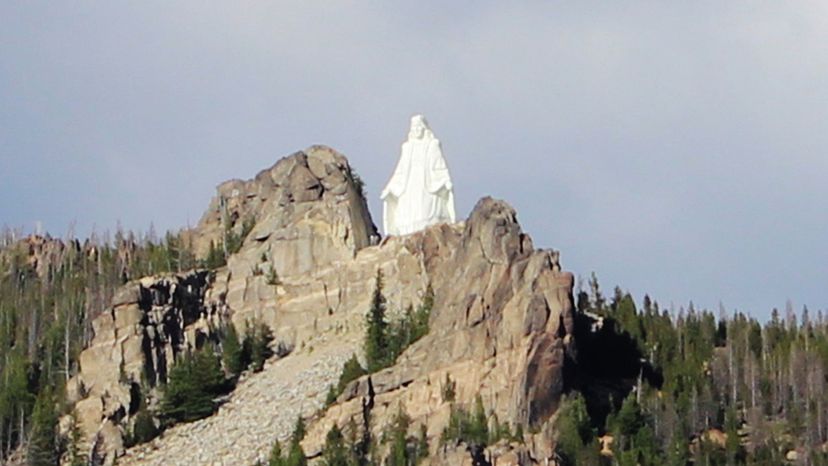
{"points": [[419, 128]]}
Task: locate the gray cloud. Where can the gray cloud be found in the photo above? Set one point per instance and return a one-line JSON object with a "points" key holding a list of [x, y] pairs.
{"points": [[677, 149]]}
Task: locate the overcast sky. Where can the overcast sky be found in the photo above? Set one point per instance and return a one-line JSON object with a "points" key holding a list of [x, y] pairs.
{"points": [[675, 148]]}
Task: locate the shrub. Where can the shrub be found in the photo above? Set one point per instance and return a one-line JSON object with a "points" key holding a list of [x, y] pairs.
{"points": [[273, 277], [144, 428], [471, 429]]}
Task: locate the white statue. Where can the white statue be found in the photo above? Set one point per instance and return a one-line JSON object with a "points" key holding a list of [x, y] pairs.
{"points": [[420, 192]]}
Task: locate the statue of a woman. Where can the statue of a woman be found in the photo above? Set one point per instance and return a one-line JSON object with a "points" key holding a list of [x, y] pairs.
{"points": [[420, 192]]}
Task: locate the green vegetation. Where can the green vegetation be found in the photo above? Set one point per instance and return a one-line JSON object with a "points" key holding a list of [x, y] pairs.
{"points": [[195, 381], [405, 450], [721, 388], [295, 455], [251, 352], [258, 338], [576, 436], [351, 371], [359, 184], [385, 341], [74, 444], [472, 428], [233, 355], [449, 389], [232, 242], [144, 429], [377, 334], [721, 391], [402, 449], [50, 291], [273, 277], [43, 449]]}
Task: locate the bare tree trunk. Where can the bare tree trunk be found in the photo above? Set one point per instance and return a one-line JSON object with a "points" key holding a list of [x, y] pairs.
{"points": [[732, 362], [66, 342], [22, 438]]}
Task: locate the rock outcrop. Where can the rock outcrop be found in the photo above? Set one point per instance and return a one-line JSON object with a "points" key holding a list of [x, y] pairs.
{"points": [[309, 220], [135, 341], [500, 329], [501, 325], [311, 200]]}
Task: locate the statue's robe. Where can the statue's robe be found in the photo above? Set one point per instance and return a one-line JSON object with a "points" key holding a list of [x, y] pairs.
{"points": [[420, 192]]}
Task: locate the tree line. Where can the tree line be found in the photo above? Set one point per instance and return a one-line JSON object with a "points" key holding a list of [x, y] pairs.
{"points": [[51, 289], [730, 391]]}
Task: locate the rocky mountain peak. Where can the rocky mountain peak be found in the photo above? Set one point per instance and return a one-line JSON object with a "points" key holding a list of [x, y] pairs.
{"points": [[500, 327], [295, 186]]}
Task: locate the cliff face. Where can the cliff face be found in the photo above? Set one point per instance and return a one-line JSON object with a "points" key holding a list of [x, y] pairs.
{"points": [[501, 329], [136, 340], [501, 325]]}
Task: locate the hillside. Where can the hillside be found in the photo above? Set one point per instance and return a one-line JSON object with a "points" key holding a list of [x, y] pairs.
{"points": [[476, 350]]}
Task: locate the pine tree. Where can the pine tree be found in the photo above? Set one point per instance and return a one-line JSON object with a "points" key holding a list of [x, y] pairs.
{"points": [[732, 446], [232, 351], [575, 433], [399, 454], [194, 382], [215, 257], [376, 336], [335, 453], [296, 456], [42, 449], [144, 428], [422, 444], [260, 351], [478, 431], [422, 315], [75, 448], [276, 458]]}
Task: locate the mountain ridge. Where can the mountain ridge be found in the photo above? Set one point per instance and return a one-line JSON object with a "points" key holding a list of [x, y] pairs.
{"points": [[502, 325]]}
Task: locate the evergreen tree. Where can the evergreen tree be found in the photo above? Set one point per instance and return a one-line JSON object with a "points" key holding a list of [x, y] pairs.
{"points": [[422, 444], [215, 257], [233, 355], [194, 382], [419, 327], [296, 456], [276, 458], [42, 449], [376, 337], [575, 432], [74, 447], [260, 351], [400, 454], [144, 428], [732, 446], [335, 452], [478, 431]]}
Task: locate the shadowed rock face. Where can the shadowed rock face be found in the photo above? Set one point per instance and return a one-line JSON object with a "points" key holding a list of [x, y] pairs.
{"points": [[135, 341]]}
